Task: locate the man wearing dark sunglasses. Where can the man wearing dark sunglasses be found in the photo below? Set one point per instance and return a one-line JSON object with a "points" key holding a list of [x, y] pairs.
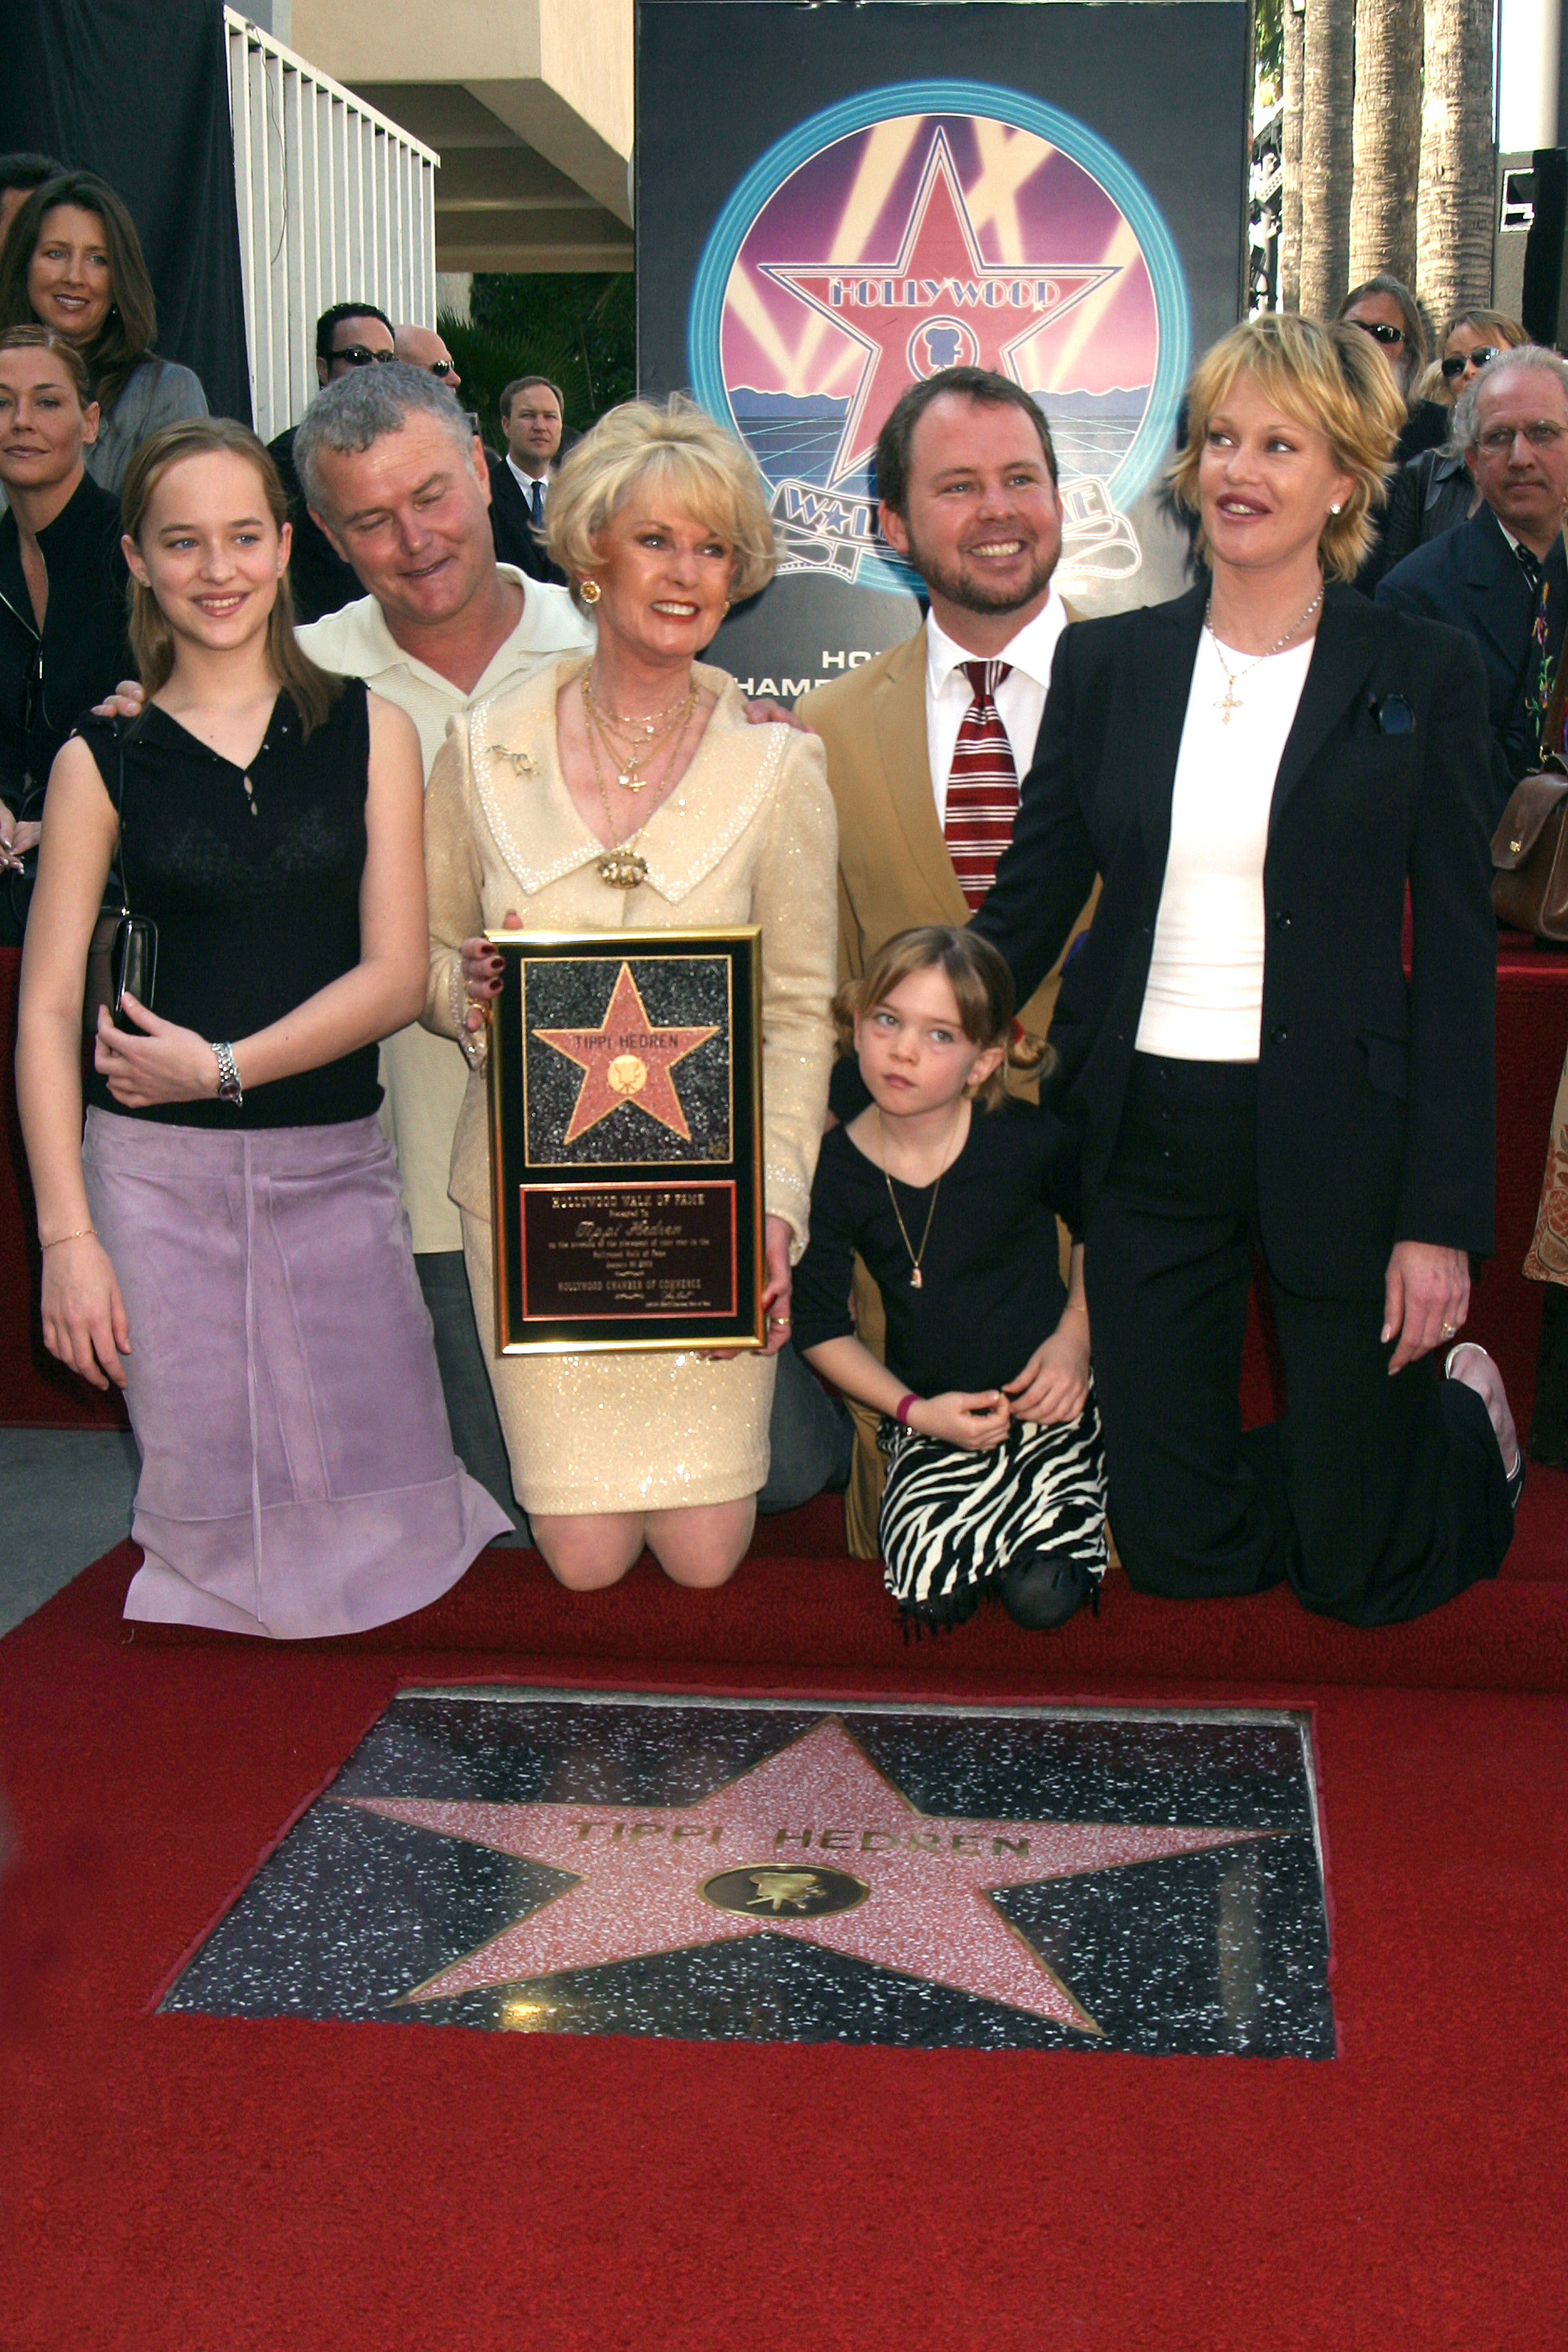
{"points": [[422, 347], [349, 336]]}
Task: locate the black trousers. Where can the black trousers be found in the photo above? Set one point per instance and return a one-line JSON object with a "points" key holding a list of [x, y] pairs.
{"points": [[1378, 1499]]}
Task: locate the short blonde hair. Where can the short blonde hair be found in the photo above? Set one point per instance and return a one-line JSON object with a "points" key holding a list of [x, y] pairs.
{"points": [[1332, 380], [675, 447]]}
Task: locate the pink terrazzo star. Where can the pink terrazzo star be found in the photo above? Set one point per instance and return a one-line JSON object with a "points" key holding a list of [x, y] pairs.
{"points": [[796, 1827]]}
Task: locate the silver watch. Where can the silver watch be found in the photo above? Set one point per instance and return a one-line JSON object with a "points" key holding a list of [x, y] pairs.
{"points": [[229, 1090]]}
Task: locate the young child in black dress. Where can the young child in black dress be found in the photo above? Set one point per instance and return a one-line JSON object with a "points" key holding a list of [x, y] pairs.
{"points": [[950, 1192]]}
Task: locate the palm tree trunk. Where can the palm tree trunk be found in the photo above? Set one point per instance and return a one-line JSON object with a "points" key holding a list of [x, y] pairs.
{"points": [[1290, 161], [1454, 229], [1387, 138], [1327, 102]]}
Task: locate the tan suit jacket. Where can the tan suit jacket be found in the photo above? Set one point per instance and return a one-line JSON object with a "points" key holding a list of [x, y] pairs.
{"points": [[893, 872], [893, 866]]}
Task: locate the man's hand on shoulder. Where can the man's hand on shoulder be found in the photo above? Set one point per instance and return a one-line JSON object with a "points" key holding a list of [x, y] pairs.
{"points": [[768, 713], [125, 702]]}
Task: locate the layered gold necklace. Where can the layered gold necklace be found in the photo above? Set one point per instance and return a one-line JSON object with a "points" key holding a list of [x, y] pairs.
{"points": [[633, 743], [622, 866]]}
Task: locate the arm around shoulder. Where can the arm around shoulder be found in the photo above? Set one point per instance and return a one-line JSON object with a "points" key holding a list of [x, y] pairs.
{"points": [[1048, 869]]}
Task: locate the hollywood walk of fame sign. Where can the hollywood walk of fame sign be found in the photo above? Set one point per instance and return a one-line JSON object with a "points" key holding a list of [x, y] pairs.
{"points": [[879, 194], [625, 1141], [568, 1862]]}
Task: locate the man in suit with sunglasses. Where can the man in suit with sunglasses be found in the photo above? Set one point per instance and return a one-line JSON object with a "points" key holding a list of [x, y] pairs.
{"points": [[350, 335]]}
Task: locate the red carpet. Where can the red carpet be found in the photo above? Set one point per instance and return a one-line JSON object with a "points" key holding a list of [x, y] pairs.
{"points": [[187, 2185]]}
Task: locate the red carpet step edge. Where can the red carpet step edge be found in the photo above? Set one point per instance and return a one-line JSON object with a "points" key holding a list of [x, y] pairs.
{"points": [[821, 1615]]}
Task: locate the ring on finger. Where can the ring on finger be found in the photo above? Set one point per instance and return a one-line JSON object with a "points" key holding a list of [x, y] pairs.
{"points": [[1448, 1331]]}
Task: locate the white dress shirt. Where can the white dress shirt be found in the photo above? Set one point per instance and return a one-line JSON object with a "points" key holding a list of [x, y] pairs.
{"points": [[527, 482], [1203, 1002], [425, 1076], [1020, 697]]}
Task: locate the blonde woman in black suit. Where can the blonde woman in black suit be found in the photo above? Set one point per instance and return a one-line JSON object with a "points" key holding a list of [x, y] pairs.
{"points": [[1258, 771]]}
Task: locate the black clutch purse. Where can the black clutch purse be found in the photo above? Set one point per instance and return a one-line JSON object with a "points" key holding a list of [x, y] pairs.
{"points": [[123, 955]]}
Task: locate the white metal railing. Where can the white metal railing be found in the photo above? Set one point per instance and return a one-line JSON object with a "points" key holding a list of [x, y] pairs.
{"points": [[336, 203]]}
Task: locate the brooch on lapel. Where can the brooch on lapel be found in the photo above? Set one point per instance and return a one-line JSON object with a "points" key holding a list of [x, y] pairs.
{"points": [[521, 764], [1394, 715]]}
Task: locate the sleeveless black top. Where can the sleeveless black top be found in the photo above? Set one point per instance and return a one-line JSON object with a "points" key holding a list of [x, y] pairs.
{"points": [[256, 912]]}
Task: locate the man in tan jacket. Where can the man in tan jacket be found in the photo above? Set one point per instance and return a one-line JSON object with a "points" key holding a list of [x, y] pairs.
{"points": [[926, 744]]}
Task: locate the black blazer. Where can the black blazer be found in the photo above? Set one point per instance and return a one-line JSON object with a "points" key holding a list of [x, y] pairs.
{"points": [[48, 679], [1375, 1094], [1471, 578], [511, 525]]}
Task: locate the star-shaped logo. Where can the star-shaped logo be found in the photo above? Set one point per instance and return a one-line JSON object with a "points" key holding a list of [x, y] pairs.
{"points": [[814, 1843], [626, 1060], [939, 305]]}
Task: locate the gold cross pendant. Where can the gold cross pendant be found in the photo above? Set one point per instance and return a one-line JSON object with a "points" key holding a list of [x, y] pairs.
{"points": [[1232, 702]]}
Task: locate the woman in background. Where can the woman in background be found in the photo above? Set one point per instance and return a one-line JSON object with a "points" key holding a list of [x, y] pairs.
{"points": [[72, 260], [62, 586], [228, 1243], [1434, 492]]}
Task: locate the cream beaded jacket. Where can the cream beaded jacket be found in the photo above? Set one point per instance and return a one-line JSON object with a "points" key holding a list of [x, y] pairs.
{"points": [[748, 836]]}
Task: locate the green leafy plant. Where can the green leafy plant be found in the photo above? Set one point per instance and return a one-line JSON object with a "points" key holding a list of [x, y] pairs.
{"points": [[580, 332]]}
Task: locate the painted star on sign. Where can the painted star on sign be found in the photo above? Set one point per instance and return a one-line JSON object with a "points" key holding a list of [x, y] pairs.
{"points": [[626, 1060], [813, 1843], [940, 304]]}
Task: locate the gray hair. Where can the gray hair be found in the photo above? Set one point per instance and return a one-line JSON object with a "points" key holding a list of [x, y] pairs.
{"points": [[1529, 359], [359, 407]]}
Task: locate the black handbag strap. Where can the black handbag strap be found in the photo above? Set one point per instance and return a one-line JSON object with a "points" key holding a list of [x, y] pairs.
{"points": [[117, 868]]}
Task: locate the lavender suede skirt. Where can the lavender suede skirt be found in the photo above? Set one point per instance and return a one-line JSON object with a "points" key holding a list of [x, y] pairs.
{"points": [[298, 1476]]}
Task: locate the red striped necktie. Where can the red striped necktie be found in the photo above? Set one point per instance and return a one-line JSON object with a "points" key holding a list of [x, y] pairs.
{"points": [[981, 786]]}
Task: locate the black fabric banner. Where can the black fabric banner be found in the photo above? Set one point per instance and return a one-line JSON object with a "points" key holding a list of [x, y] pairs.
{"points": [[870, 195], [137, 91]]}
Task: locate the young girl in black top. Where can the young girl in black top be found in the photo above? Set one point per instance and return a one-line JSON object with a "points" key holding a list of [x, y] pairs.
{"points": [[996, 1478], [227, 1242]]}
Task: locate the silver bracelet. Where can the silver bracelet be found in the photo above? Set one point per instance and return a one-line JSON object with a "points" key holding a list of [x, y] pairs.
{"points": [[229, 1090]]}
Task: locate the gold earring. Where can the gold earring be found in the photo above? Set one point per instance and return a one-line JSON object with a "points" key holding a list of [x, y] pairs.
{"points": [[726, 604], [590, 592]]}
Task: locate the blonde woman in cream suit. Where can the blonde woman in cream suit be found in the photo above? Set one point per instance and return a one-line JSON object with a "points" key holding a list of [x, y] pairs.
{"points": [[659, 519]]}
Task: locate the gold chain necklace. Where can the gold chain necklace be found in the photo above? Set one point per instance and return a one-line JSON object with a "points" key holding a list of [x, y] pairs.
{"points": [[629, 758], [1233, 677], [917, 1279], [621, 867]]}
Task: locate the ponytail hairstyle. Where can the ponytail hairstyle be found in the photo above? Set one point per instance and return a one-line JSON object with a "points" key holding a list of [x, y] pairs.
{"points": [[312, 691], [980, 982]]}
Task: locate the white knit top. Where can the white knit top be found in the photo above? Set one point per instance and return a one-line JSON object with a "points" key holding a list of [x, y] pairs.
{"points": [[1205, 998]]}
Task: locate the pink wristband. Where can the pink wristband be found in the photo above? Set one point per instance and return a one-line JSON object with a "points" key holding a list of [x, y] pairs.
{"points": [[902, 1408]]}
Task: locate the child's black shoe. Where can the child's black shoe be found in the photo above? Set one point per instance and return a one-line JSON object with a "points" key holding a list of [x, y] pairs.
{"points": [[1042, 1589]]}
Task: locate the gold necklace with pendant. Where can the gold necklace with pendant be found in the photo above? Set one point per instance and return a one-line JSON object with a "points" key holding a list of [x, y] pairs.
{"points": [[622, 867], [917, 1279], [641, 737]]}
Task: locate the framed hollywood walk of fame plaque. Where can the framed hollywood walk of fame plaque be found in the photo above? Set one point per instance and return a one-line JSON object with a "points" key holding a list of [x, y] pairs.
{"points": [[625, 1141]]}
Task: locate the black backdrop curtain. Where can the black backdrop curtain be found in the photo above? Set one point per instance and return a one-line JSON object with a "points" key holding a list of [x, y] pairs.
{"points": [[137, 91]]}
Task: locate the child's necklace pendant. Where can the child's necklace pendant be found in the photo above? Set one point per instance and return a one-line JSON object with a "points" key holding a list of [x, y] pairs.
{"points": [[915, 1282]]}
